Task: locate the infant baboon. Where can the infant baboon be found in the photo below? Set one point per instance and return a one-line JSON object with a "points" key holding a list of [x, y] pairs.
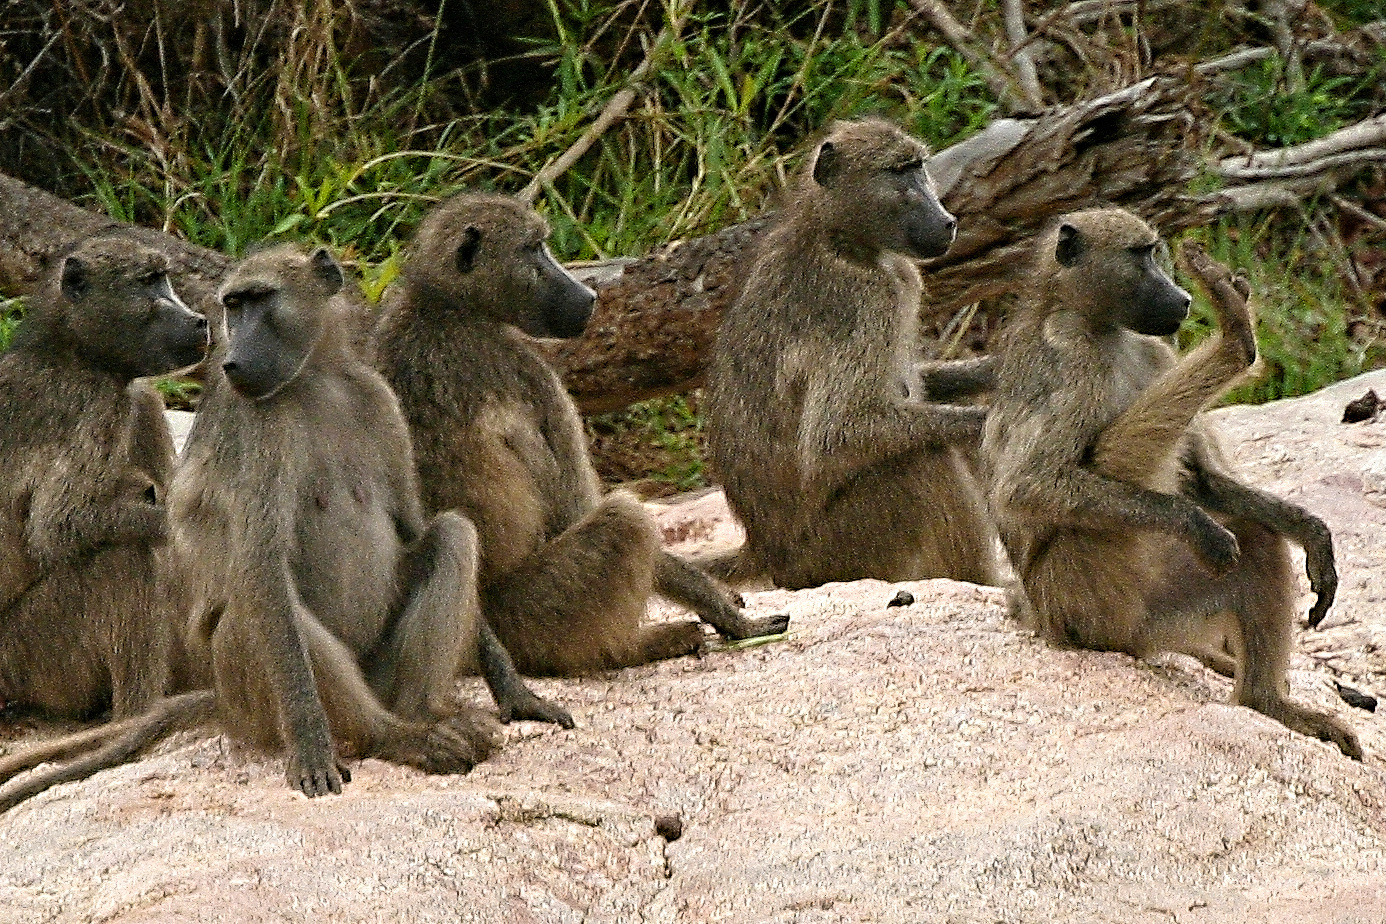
{"points": [[86, 617], [1124, 529], [334, 618], [565, 572], [832, 451]]}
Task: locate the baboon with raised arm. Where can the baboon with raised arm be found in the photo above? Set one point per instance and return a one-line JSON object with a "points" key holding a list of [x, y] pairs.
{"points": [[1124, 528], [565, 571], [86, 599], [334, 618], [831, 444]]}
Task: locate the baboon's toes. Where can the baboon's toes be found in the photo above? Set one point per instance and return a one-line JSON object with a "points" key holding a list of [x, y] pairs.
{"points": [[534, 709], [317, 778], [1217, 548], [1319, 610], [459, 743], [775, 624], [1344, 738]]}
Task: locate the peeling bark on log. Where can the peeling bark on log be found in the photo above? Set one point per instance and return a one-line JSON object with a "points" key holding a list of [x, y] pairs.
{"points": [[656, 316], [36, 228], [655, 319]]}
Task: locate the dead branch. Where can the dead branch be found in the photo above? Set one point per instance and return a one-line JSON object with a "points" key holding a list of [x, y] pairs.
{"points": [[1000, 77], [611, 113], [1357, 143]]}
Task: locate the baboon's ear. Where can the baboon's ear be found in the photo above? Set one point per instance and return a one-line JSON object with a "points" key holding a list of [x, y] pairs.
{"points": [[1070, 245], [327, 269], [75, 283], [467, 248], [826, 164]]}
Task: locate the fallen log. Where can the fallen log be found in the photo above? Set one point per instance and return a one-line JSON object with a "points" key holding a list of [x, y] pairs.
{"points": [[656, 315]]}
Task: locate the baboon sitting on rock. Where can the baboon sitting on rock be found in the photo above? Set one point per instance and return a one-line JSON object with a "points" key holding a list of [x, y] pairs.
{"points": [[86, 607], [831, 446], [565, 571], [1125, 530], [334, 618]]}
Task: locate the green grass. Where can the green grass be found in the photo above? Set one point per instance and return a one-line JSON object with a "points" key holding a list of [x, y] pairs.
{"points": [[661, 439], [1263, 106], [714, 129], [11, 312]]}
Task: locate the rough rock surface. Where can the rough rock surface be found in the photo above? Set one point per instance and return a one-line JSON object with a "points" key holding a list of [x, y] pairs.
{"points": [[923, 763]]}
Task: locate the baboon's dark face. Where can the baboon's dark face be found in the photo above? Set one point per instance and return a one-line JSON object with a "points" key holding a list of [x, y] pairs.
{"points": [[541, 298], [501, 267], [1120, 264], [929, 228], [123, 312], [274, 308], [1157, 306], [881, 190]]}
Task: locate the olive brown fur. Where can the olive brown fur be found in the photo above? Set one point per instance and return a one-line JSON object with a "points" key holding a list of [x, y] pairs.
{"points": [[834, 450], [566, 572], [334, 618], [87, 598], [1123, 525]]}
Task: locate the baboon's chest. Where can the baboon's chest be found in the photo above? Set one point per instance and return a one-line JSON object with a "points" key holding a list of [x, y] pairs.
{"points": [[348, 546]]}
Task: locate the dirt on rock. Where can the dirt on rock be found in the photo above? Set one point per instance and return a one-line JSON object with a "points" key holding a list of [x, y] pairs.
{"points": [[921, 763]]}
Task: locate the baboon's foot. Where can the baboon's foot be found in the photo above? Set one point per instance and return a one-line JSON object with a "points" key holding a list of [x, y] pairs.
{"points": [[747, 627], [316, 774], [451, 745], [523, 704], [1314, 724]]}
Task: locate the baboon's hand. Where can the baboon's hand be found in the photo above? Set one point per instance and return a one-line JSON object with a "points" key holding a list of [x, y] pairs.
{"points": [[1323, 581], [1215, 546], [317, 774]]}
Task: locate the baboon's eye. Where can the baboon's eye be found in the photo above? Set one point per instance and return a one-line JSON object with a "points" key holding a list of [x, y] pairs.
{"points": [[232, 300], [909, 166], [150, 277]]}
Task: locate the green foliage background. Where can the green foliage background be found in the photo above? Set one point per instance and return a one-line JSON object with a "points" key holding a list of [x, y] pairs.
{"points": [[302, 138]]}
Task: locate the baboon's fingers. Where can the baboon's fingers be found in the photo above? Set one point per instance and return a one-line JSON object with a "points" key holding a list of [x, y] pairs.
{"points": [[1215, 546], [1228, 292], [1319, 610], [1323, 581], [774, 624]]}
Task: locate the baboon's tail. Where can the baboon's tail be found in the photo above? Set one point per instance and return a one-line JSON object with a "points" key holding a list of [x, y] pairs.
{"points": [[100, 748], [733, 566]]}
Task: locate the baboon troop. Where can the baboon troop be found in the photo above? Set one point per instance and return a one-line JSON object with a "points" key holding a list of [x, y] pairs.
{"points": [[87, 601], [834, 451], [333, 617], [1124, 529], [365, 511], [566, 572]]}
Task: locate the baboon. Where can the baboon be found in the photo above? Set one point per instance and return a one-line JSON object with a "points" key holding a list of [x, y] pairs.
{"points": [[833, 448], [86, 615], [334, 618], [1124, 528], [565, 572]]}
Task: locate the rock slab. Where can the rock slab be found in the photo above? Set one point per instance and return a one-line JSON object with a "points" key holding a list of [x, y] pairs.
{"points": [[921, 763]]}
